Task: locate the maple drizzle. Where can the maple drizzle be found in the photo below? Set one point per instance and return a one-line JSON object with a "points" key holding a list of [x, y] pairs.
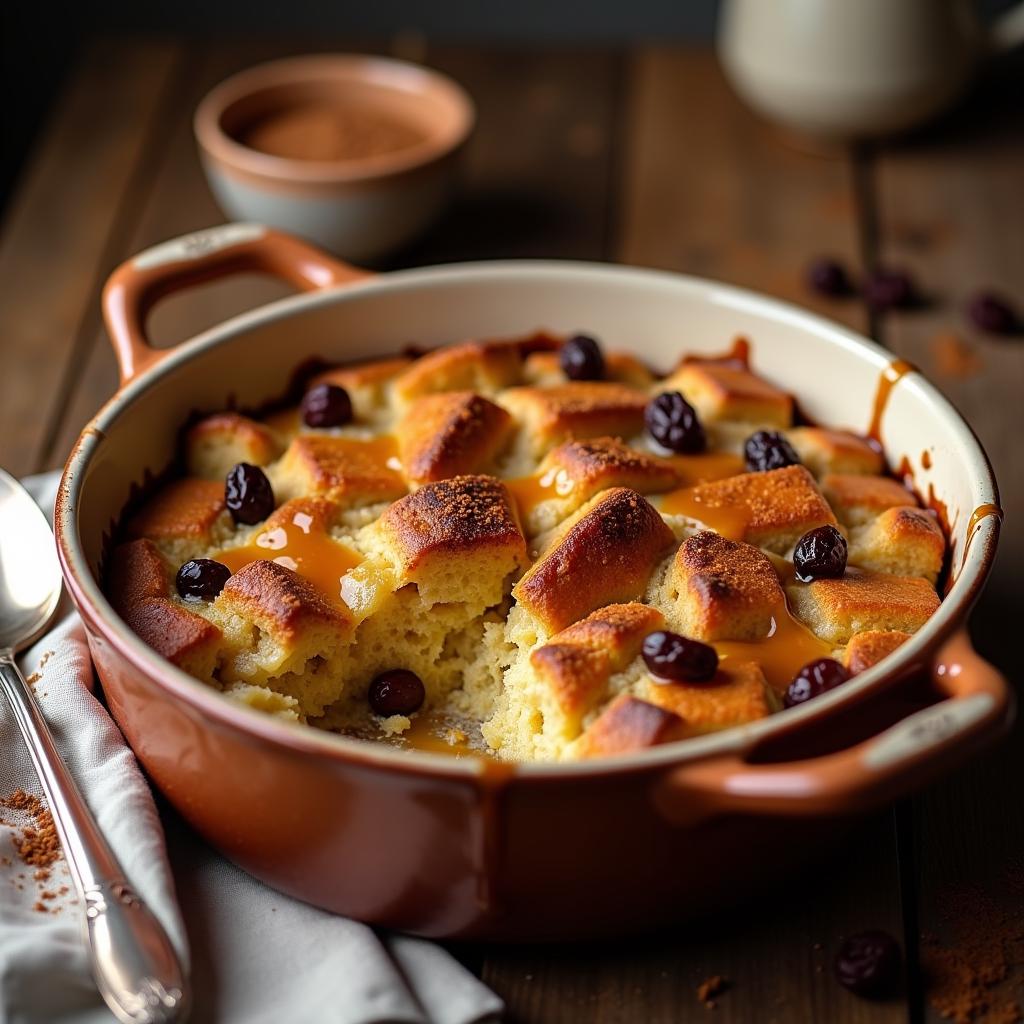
{"points": [[890, 377]]}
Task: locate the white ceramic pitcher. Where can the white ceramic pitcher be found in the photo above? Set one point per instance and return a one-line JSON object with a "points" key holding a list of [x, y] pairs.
{"points": [[856, 68]]}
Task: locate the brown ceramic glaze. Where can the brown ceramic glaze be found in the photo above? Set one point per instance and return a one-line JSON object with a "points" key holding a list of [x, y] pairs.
{"points": [[472, 847]]}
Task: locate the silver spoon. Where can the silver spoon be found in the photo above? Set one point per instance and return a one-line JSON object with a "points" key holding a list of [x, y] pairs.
{"points": [[134, 964]]}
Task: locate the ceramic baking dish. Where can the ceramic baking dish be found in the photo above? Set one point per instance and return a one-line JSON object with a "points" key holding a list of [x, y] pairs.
{"points": [[468, 847]]}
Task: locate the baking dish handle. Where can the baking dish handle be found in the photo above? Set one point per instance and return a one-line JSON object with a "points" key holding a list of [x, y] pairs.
{"points": [[139, 283], [977, 708]]}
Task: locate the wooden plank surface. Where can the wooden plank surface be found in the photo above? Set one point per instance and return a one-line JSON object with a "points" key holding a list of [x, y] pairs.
{"points": [[950, 206], [76, 194]]}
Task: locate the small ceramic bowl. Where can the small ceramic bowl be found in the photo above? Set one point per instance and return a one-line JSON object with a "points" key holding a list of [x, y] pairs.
{"points": [[360, 204]]}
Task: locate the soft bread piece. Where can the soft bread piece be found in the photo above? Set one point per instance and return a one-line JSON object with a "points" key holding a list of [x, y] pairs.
{"points": [[718, 589], [858, 499], [725, 391], [544, 369], [217, 443], [867, 649], [579, 409], [905, 541], [861, 601], [577, 470], [366, 383], [835, 451], [281, 632], [458, 540], [738, 693], [575, 664], [451, 434], [604, 555], [629, 724], [139, 589], [350, 471], [481, 366], [771, 510], [184, 517]]}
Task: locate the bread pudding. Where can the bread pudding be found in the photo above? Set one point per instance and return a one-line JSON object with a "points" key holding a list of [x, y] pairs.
{"points": [[529, 549]]}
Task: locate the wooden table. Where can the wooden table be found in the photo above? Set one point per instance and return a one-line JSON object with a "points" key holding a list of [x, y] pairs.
{"points": [[641, 156]]}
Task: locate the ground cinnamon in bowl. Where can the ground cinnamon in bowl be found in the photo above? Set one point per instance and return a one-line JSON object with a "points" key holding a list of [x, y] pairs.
{"points": [[330, 131]]}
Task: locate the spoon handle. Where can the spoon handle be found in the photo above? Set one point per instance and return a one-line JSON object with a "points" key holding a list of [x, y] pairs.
{"points": [[135, 966]]}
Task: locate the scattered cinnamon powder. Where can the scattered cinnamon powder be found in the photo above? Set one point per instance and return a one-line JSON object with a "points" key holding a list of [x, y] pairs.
{"points": [[967, 974], [37, 844], [953, 357], [711, 987]]}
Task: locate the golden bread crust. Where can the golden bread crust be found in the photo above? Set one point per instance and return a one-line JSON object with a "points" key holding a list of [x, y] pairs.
{"points": [[481, 366], [867, 649], [139, 589], [771, 510], [350, 471], [577, 662], [718, 589], [737, 694], [825, 451], [218, 442], [862, 601], [629, 724], [185, 508], [726, 391], [578, 409], [451, 434], [605, 555], [857, 499], [279, 601], [904, 541]]}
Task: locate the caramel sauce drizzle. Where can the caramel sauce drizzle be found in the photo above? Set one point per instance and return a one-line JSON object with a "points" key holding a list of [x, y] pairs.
{"points": [[303, 549], [438, 733], [891, 376], [731, 521], [788, 646]]}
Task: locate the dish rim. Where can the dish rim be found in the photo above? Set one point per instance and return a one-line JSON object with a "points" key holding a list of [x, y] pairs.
{"points": [[304, 739]]}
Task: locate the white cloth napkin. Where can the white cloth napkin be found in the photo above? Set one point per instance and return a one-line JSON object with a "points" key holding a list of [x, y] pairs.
{"points": [[255, 955]]}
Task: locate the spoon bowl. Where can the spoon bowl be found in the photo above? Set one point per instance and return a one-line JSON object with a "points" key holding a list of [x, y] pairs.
{"points": [[30, 580]]}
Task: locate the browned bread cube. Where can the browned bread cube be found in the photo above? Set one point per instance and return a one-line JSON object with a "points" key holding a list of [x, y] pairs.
{"points": [[544, 368], [577, 663], [139, 589], [718, 589], [451, 434], [737, 694], [184, 517], [348, 470], [629, 724], [867, 649], [861, 601], [604, 555], [771, 510], [458, 540], [579, 409], [480, 366], [858, 499], [906, 541], [366, 383], [724, 391], [835, 451], [576, 470], [216, 443]]}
